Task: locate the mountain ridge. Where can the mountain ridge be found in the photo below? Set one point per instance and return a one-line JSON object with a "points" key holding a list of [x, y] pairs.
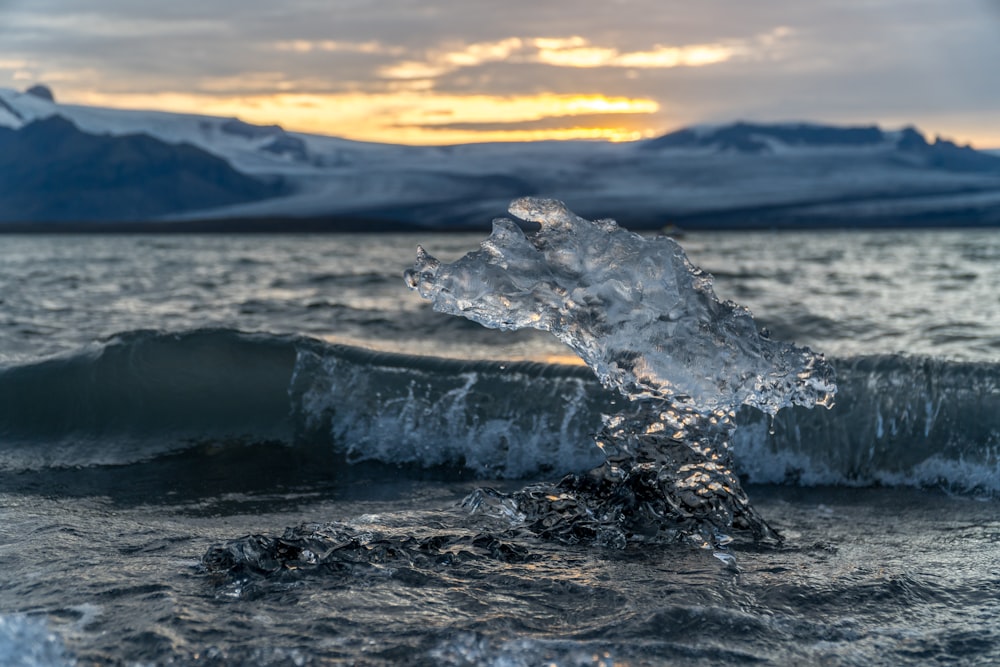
{"points": [[735, 175], [51, 171]]}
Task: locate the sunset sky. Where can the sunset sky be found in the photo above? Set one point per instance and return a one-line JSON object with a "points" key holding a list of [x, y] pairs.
{"points": [[450, 71]]}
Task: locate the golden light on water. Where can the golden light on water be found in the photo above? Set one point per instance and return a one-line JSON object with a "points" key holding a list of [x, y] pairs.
{"points": [[567, 359]]}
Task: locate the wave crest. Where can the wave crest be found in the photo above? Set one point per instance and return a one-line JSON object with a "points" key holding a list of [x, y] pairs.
{"points": [[899, 420]]}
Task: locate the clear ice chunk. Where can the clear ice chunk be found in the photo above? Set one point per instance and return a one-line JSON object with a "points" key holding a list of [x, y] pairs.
{"points": [[649, 324], [635, 310]]}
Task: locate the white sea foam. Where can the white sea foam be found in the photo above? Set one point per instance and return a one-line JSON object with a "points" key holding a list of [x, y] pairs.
{"points": [[27, 641]]}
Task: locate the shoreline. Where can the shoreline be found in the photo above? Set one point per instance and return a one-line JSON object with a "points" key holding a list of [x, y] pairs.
{"points": [[730, 222]]}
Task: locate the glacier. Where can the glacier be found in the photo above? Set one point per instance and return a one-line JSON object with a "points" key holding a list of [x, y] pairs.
{"points": [[736, 176]]}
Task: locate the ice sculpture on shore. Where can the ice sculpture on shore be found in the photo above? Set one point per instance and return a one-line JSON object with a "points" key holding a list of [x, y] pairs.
{"points": [[649, 324]]}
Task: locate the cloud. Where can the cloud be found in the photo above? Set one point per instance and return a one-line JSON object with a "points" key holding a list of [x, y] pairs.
{"points": [[577, 52], [100, 25], [574, 52], [630, 124], [14, 64], [416, 116], [923, 61], [442, 61], [334, 46]]}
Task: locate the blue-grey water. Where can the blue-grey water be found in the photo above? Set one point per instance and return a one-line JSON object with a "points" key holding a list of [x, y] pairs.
{"points": [[163, 397]]}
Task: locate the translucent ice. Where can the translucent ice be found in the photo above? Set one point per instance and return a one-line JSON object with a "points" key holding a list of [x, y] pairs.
{"points": [[634, 309], [649, 324]]}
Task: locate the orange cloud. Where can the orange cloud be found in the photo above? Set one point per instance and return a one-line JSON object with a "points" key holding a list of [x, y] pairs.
{"points": [[407, 116], [574, 51], [332, 46]]}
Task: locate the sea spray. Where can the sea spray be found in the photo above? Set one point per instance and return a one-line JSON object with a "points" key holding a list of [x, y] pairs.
{"points": [[649, 324]]}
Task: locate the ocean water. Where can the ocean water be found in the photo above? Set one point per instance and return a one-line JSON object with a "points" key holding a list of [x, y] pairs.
{"points": [[231, 450]]}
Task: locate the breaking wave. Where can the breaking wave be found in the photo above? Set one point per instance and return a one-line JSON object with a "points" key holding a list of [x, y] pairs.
{"points": [[898, 420]]}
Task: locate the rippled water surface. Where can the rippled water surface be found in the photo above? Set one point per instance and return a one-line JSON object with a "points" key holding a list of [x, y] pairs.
{"points": [[138, 526], [868, 577], [843, 293]]}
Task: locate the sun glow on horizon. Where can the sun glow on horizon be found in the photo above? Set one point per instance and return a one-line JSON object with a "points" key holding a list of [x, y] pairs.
{"points": [[415, 117], [432, 73], [424, 119], [432, 94], [406, 102]]}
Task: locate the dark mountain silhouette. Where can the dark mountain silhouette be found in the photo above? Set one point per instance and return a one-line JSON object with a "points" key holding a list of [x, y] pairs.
{"points": [[756, 138], [41, 91], [129, 168], [50, 170]]}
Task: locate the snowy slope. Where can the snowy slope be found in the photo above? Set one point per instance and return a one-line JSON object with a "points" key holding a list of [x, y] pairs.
{"points": [[791, 173], [241, 143], [51, 171]]}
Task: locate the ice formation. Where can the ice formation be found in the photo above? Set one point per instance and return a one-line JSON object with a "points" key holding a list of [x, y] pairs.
{"points": [[649, 324]]}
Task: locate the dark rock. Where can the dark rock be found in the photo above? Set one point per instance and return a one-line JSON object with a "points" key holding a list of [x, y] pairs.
{"points": [[41, 91], [285, 144], [240, 128], [754, 138]]}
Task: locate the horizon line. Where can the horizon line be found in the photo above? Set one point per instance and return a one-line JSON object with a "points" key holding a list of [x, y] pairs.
{"points": [[512, 136]]}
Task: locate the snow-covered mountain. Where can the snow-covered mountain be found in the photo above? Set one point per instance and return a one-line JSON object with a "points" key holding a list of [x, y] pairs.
{"points": [[728, 175]]}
